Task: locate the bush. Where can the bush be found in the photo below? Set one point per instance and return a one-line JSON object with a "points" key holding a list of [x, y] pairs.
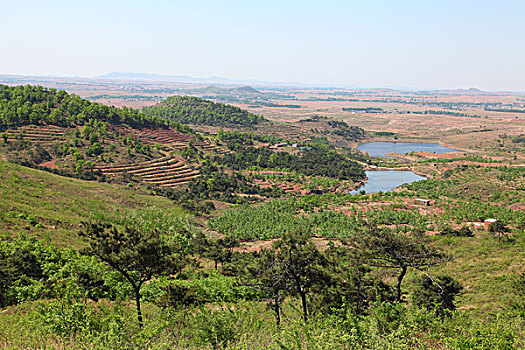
{"points": [[436, 294]]}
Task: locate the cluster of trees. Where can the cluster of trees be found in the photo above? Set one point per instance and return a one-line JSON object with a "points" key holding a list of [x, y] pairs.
{"points": [[351, 133], [455, 114], [341, 128], [157, 257], [331, 279], [273, 219], [323, 280], [214, 183], [311, 161], [234, 139], [27, 104], [193, 110]]}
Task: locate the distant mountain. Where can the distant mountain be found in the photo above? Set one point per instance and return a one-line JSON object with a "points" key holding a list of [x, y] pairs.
{"points": [[175, 78], [242, 90], [469, 91], [246, 90]]}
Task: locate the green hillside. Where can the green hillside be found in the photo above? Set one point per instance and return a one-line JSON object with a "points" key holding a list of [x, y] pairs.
{"points": [[40, 204], [27, 104], [193, 110], [63, 133]]}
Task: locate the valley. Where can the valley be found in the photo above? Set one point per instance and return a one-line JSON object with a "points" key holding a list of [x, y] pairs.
{"points": [[235, 216]]}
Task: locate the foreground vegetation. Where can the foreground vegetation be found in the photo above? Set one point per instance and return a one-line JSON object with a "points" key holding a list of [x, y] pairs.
{"points": [[213, 295]]}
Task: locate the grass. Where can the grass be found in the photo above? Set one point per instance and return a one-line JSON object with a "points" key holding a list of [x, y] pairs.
{"points": [[486, 268], [48, 206]]}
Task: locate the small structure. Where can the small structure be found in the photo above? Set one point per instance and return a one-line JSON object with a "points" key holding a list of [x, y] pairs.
{"points": [[425, 202], [489, 222]]}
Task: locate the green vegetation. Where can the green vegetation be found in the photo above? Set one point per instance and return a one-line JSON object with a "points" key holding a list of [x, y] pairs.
{"points": [[363, 109], [311, 161], [274, 219], [238, 258], [215, 183], [329, 126], [26, 104], [62, 133], [193, 110], [51, 207]]}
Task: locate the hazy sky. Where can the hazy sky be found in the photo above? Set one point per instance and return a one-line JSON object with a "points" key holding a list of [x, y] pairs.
{"points": [[368, 43]]}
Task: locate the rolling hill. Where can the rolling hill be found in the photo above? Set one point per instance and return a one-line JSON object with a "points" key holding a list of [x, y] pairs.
{"points": [[193, 110]]}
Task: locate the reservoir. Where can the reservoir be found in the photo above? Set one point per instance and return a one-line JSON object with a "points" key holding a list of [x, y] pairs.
{"points": [[387, 180], [378, 149]]}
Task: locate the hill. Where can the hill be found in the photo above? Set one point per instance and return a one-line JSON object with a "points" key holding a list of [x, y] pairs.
{"points": [[217, 90], [62, 133], [65, 134], [41, 204], [336, 131], [27, 104], [193, 110]]}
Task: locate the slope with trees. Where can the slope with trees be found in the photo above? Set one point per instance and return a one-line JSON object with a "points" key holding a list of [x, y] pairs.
{"points": [[193, 110]]}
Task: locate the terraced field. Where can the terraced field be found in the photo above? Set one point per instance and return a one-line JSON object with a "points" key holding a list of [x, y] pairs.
{"points": [[207, 147], [168, 171], [39, 134], [160, 136]]}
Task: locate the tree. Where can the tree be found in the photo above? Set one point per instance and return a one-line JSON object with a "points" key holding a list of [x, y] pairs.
{"points": [[137, 255], [6, 278], [436, 293], [21, 267], [499, 229], [267, 270], [388, 249], [302, 265], [352, 285]]}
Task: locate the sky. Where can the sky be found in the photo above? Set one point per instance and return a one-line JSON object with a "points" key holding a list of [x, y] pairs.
{"points": [[364, 43]]}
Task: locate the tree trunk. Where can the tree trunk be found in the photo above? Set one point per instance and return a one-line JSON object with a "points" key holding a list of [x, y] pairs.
{"points": [[305, 309], [277, 309], [139, 312], [399, 280]]}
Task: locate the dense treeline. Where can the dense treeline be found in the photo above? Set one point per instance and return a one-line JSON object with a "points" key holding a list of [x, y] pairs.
{"points": [[311, 161], [27, 104], [363, 109], [193, 110], [340, 128]]}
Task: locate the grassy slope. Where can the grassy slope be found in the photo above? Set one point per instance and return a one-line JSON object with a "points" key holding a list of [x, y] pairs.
{"points": [[49, 206], [486, 268]]}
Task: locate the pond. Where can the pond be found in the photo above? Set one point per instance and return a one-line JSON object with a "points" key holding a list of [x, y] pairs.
{"points": [[387, 180], [378, 149]]}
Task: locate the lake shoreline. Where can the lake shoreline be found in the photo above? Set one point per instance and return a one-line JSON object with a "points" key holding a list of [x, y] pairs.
{"points": [[382, 180], [383, 149], [409, 140]]}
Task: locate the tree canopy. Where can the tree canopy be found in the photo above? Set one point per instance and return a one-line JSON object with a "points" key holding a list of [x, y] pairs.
{"points": [[193, 110], [27, 104]]}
